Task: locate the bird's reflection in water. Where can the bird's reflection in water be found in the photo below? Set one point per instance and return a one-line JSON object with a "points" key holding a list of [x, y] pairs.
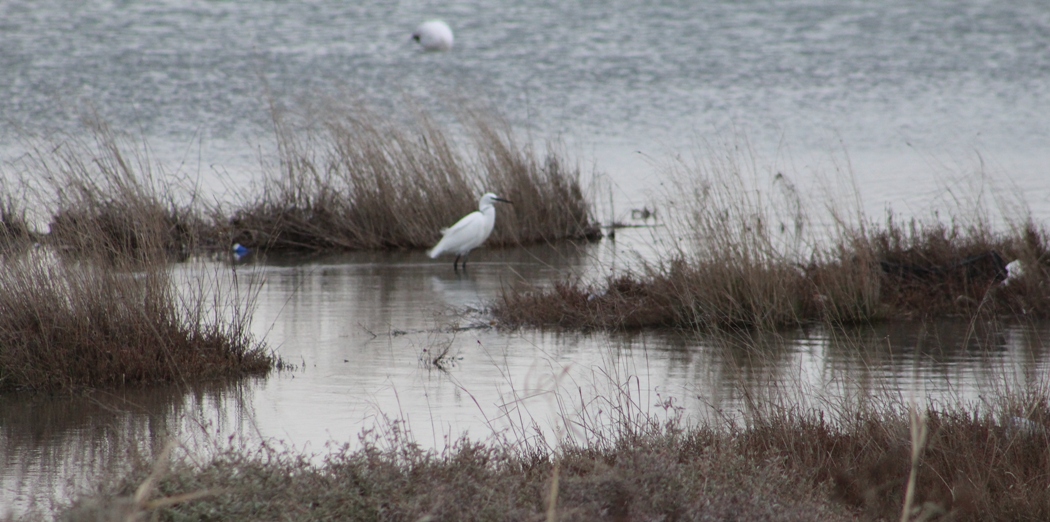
{"points": [[458, 289]]}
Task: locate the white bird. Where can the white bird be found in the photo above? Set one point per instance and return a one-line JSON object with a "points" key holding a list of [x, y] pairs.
{"points": [[1014, 271], [468, 233], [434, 35]]}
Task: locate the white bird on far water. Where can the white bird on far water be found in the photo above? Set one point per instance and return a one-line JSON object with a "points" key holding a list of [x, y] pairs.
{"points": [[1014, 271], [434, 35], [469, 232]]}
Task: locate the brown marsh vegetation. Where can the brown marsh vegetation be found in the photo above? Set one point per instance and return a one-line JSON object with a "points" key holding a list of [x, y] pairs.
{"points": [[343, 178], [352, 179], [95, 303], [66, 326], [881, 459], [92, 302], [102, 194], [738, 257]]}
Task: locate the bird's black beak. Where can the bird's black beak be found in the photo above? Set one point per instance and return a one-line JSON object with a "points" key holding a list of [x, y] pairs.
{"points": [[501, 200]]}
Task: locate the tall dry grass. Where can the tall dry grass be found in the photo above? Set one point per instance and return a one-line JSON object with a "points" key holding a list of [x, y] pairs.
{"points": [[67, 325], [95, 304], [744, 248], [973, 464], [15, 229], [104, 194], [952, 269], [348, 177]]}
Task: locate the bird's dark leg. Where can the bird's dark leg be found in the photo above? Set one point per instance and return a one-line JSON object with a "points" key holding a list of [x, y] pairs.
{"points": [[454, 267], [465, 261]]}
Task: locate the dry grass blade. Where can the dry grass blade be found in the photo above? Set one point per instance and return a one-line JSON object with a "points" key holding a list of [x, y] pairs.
{"points": [[137, 507], [917, 425]]}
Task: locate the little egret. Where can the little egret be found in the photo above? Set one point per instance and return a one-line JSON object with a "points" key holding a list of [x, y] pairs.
{"points": [[1014, 271], [434, 35], [469, 232]]}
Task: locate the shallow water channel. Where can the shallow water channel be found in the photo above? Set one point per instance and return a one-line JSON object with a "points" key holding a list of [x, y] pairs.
{"points": [[359, 332]]}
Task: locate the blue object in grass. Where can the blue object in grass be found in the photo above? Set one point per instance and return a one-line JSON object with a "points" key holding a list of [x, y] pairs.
{"points": [[239, 251]]}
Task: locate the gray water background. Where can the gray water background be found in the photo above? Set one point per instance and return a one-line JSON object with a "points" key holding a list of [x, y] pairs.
{"points": [[916, 104], [918, 95]]}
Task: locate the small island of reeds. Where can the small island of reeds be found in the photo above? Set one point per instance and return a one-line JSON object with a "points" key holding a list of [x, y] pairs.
{"points": [[733, 256]]}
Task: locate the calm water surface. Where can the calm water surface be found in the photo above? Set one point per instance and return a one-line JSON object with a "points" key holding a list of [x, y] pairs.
{"points": [[919, 105], [918, 95], [359, 328]]}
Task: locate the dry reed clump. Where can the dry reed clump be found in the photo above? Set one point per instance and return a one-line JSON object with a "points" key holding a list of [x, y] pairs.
{"points": [[15, 230], [351, 179], [650, 475], [106, 199], [69, 325], [739, 257], [946, 269], [933, 271], [970, 466], [95, 304], [735, 258]]}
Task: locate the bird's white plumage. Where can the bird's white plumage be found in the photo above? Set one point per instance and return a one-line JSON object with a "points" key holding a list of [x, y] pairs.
{"points": [[434, 35], [470, 232], [1014, 271]]}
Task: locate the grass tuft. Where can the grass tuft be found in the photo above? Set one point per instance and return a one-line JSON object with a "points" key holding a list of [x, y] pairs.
{"points": [[65, 326], [739, 257], [107, 199], [351, 179], [96, 304]]}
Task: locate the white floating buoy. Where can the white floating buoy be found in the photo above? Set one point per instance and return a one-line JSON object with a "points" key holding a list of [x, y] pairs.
{"points": [[434, 35]]}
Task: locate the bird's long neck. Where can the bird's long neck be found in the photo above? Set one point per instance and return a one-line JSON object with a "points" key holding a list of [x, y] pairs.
{"points": [[489, 213]]}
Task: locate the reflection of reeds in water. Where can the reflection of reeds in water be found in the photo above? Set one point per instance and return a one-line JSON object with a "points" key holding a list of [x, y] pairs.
{"points": [[739, 256], [355, 179], [55, 448], [627, 453]]}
